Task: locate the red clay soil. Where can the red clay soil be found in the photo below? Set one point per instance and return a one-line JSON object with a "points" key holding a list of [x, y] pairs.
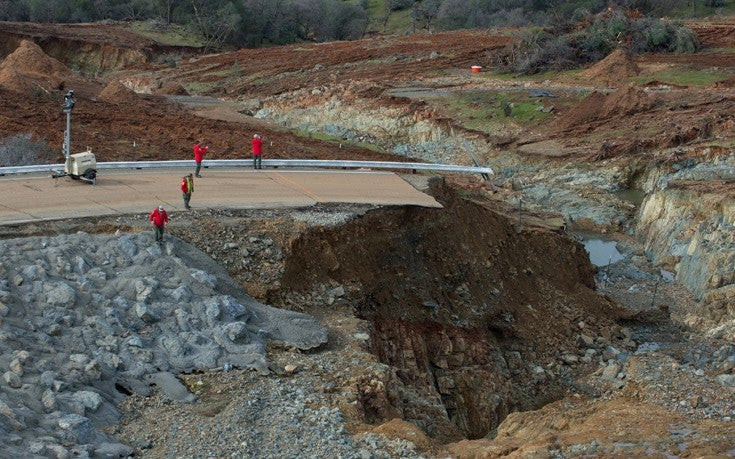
{"points": [[597, 106], [716, 34], [698, 61], [173, 89], [114, 120], [118, 35], [613, 69], [30, 58], [118, 93], [28, 67], [28, 70], [270, 71], [160, 130], [729, 83]]}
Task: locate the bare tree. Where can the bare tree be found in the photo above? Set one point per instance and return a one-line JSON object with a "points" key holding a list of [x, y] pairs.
{"points": [[215, 24], [425, 11], [165, 7], [22, 150]]}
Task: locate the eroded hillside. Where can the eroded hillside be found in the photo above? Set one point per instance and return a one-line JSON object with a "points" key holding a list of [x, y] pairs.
{"points": [[477, 330]]}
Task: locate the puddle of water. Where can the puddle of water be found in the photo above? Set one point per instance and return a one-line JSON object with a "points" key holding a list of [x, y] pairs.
{"points": [[634, 197], [602, 252]]}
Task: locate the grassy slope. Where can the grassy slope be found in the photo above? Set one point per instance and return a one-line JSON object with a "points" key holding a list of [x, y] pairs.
{"points": [[171, 35]]}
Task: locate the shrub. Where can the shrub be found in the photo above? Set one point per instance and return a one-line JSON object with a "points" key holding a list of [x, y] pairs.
{"points": [[22, 150], [685, 41], [557, 48]]}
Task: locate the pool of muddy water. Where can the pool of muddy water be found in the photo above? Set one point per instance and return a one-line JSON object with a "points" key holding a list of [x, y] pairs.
{"points": [[602, 252]]}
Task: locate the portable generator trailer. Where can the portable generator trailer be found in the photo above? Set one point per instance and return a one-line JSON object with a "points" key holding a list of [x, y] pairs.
{"points": [[79, 166]]}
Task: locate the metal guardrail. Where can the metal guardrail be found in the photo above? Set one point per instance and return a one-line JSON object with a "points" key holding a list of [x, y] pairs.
{"points": [[273, 163]]}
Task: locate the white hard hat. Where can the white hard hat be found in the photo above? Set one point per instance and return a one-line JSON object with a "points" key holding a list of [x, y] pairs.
{"points": [[160, 207]]}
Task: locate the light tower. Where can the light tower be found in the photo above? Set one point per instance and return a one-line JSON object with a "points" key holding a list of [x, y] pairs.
{"points": [[67, 108]]}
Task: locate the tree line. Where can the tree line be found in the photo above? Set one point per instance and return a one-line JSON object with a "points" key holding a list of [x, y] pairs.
{"points": [[253, 23]]}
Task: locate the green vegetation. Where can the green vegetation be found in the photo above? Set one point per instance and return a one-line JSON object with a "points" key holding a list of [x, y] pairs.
{"points": [[198, 87], [703, 8], [684, 77], [484, 111], [565, 47], [170, 35]]}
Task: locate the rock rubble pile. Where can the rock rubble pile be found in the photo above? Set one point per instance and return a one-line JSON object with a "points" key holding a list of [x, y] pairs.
{"points": [[86, 320]]}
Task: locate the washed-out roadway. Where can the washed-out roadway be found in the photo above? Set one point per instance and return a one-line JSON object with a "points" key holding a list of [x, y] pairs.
{"points": [[33, 198]]}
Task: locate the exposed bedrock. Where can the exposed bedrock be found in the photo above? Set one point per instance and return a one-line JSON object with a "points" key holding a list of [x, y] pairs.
{"points": [[688, 227]]}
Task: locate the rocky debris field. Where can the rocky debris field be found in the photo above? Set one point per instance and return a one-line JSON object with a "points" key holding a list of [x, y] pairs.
{"points": [[87, 319], [296, 411], [359, 395]]}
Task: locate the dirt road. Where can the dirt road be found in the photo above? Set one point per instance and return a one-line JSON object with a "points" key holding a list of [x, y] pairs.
{"points": [[42, 198]]}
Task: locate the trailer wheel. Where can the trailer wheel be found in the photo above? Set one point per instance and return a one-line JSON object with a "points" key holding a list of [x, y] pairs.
{"points": [[90, 174]]}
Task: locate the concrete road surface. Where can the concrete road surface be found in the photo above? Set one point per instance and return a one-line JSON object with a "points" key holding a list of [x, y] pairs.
{"points": [[33, 198]]}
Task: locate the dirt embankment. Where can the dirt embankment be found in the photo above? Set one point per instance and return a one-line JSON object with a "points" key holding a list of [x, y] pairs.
{"points": [[29, 69], [90, 48], [270, 71], [468, 320], [118, 93], [121, 125], [613, 69], [603, 107], [461, 312], [717, 33]]}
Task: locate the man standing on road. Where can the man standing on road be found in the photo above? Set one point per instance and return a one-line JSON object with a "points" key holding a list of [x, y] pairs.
{"points": [[199, 152], [159, 218], [187, 188], [257, 151]]}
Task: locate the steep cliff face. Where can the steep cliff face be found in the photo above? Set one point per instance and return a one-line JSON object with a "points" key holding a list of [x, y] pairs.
{"points": [[95, 57], [88, 49], [688, 227], [475, 318]]}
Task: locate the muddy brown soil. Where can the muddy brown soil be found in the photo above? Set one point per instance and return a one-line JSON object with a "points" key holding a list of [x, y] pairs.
{"points": [[454, 306]]}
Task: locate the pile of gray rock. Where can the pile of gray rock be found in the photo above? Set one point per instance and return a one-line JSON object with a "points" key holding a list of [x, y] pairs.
{"points": [[86, 320]]}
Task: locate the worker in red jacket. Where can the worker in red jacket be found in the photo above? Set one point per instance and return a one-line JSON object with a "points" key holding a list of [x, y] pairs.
{"points": [[187, 188], [199, 152], [159, 218], [257, 151]]}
